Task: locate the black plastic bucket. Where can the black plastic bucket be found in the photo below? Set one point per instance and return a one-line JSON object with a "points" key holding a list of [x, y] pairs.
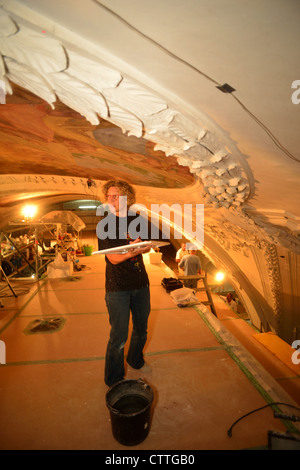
{"points": [[129, 403]]}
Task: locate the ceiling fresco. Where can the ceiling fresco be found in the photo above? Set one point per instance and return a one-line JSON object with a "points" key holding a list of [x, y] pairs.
{"points": [[60, 141]]}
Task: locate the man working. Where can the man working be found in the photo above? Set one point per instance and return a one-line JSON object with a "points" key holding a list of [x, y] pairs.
{"points": [[126, 285], [231, 302], [181, 253], [191, 267]]}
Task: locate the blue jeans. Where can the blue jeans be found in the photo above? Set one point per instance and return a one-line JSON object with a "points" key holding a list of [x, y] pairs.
{"points": [[119, 304]]}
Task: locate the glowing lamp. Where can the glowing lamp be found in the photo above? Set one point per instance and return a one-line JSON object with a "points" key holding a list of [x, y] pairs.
{"points": [[29, 212], [220, 276]]}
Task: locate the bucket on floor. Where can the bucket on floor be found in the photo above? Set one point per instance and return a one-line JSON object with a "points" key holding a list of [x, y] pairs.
{"points": [[129, 403], [88, 250]]}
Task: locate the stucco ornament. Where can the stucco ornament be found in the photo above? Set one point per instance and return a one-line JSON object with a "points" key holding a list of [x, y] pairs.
{"points": [[42, 64], [55, 69]]}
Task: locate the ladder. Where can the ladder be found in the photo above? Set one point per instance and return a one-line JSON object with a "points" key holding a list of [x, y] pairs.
{"points": [[205, 288]]}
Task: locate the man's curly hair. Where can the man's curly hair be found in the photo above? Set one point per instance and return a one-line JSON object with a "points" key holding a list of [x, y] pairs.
{"points": [[125, 188]]}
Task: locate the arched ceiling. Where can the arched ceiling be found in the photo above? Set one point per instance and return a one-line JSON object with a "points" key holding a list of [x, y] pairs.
{"points": [[36, 139], [152, 69], [135, 89]]}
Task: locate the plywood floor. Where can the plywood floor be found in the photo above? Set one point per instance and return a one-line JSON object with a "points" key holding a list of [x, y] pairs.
{"points": [[52, 393]]}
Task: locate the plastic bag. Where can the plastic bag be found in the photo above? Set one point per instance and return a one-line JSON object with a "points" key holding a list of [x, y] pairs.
{"points": [[59, 268], [184, 297], [58, 261]]}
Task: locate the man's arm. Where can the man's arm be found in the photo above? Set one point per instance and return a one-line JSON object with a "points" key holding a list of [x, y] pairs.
{"points": [[120, 258], [199, 268]]}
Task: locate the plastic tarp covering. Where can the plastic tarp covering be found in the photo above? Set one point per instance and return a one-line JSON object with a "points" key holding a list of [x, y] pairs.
{"points": [[64, 218]]}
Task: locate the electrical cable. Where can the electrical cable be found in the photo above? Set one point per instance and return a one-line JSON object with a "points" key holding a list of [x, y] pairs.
{"points": [[179, 59], [264, 127], [229, 432], [160, 46], [18, 291]]}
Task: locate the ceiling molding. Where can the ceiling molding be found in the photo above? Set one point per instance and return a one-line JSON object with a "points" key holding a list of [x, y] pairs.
{"points": [[44, 65], [54, 68]]}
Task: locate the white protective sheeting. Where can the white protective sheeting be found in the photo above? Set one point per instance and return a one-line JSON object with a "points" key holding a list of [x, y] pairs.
{"points": [[64, 218]]}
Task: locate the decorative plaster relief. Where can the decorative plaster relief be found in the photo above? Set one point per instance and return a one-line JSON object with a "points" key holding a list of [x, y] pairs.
{"points": [[49, 68], [10, 184], [36, 50], [230, 238], [2, 68], [78, 96], [7, 25], [273, 269], [280, 218], [138, 100], [279, 228], [234, 239], [42, 64], [127, 121], [95, 75], [29, 79]]}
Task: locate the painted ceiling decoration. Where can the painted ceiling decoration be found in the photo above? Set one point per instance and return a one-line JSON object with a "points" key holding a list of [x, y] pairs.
{"points": [[51, 70], [37, 61], [54, 71], [71, 146], [92, 92]]}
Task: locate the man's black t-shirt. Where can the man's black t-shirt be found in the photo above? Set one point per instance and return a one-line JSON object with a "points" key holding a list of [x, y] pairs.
{"points": [[131, 273]]}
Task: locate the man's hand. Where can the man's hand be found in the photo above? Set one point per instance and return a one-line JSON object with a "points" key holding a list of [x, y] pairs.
{"points": [[119, 258], [141, 250]]}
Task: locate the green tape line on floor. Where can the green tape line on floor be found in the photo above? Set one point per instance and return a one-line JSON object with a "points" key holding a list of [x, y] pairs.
{"points": [[23, 307], [229, 349]]}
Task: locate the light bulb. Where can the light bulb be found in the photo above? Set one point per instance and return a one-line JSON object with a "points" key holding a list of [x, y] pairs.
{"points": [[220, 276], [29, 211]]}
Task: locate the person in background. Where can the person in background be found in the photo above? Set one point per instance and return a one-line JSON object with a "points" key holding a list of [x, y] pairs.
{"points": [[181, 253], [126, 286], [231, 302], [191, 266]]}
